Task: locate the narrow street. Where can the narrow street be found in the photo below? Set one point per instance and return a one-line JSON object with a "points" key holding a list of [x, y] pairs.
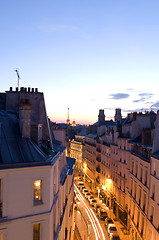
{"points": [[86, 220], [88, 226]]}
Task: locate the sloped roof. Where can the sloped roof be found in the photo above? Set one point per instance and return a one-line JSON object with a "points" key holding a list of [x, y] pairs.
{"points": [[15, 149], [104, 123]]}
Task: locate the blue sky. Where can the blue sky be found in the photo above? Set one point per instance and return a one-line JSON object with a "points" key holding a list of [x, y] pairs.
{"points": [[86, 55]]}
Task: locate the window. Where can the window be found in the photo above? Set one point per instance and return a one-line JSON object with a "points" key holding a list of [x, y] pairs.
{"points": [[135, 192], [37, 191], [154, 168], [131, 188], [151, 216], [36, 231], [144, 202], [140, 196], [138, 219], [136, 170], [146, 177], [141, 173], [132, 167], [153, 191]]}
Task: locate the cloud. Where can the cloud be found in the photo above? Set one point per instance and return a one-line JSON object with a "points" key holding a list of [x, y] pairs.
{"points": [[135, 110], [146, 95], [118, 96], [143, 97], [139, 100], [130, 89], [155, 105], [58, 27]]}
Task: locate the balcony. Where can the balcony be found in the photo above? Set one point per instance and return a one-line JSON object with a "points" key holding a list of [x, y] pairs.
{"points": [[98, 159], [98, 169]]}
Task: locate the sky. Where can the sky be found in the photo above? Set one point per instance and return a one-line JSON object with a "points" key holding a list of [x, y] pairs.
{"points": [[83, 54]]}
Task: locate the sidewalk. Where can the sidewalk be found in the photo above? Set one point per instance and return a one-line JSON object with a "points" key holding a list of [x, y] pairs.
{"points": [[120, 228], [81, 225]]}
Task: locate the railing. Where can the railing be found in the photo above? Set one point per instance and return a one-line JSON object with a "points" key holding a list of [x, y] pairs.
{"points": [[98, 150], [98, 169], [98, 159]]}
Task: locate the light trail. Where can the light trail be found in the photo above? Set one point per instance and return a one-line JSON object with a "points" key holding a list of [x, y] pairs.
{"points": [[94, 220], [80, 197]]}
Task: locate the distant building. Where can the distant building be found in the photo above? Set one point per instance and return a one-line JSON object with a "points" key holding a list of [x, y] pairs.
{"points": [[120, 163], [36, 178]]}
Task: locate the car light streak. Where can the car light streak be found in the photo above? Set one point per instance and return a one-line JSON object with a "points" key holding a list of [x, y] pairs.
{"points": [[92, 224], [80, 197], [94, 220]]}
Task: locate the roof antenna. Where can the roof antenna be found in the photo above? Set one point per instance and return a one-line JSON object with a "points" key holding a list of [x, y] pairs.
{"points": [[17, 72]]}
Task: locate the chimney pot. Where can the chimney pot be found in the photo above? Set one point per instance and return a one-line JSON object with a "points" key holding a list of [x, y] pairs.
{"points": [[28, 89], [32, 89], [16, 89], [36, 89], [11, 89]]}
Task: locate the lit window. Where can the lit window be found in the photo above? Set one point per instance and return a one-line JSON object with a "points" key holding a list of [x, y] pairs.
{"points": [[37, 191], [36, 231]]}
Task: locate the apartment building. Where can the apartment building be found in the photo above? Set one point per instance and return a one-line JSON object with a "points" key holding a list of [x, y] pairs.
{"points": [[36, 178], [76, 150], [121, 162]]}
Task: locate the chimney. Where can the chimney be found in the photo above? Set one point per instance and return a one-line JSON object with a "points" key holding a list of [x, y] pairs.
{"points": [[155, 146], [146, 136], [36, 133], [118, 117], [101, 116], [25, 118], [10, 89], [134, 116]]}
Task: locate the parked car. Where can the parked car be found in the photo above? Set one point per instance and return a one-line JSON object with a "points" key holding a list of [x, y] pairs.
{"points": [[108, 221], [114, 236], [96, 207], [87, 195], [93, 202], [90, 197], [102, 213], [85, 191], [82, 187], [80, 184], [111, 229]]}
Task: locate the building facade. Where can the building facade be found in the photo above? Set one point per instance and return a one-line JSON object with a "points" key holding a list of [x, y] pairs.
{"points": [[36, 178]]}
